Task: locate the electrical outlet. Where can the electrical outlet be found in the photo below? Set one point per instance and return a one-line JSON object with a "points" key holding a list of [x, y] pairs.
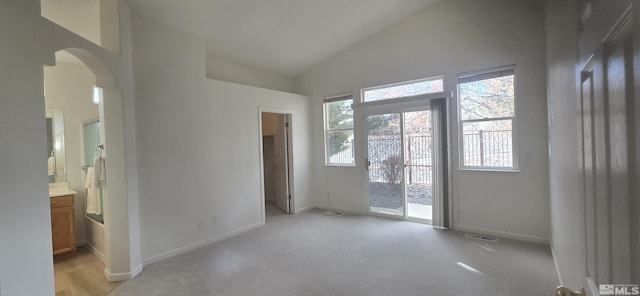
{"points": [[199, 224], [214, 219]]}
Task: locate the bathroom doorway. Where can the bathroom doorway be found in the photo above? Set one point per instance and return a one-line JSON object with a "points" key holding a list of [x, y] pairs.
{"points": [[82, 89], [78, 241], [276, 159]]}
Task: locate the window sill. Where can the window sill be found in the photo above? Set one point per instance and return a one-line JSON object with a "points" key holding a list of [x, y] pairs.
{"points": [[339, 165], [496, 170]]}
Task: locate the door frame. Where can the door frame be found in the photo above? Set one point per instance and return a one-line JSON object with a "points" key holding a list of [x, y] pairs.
{"points": [[362, 110], [289, 115]]}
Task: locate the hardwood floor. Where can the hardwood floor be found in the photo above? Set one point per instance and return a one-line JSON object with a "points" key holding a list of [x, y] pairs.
{"points": [[81, 273]]}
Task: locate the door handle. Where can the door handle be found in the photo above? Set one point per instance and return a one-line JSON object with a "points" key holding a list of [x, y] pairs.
{"points": [[368, 163]]}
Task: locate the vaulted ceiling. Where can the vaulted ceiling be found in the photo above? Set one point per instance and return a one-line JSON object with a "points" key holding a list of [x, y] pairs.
{"points": [[286, 37]]}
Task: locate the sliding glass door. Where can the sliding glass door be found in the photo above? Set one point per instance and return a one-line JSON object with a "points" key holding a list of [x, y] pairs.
{"points": [[400, 151], [385, 164], [418, 160]]}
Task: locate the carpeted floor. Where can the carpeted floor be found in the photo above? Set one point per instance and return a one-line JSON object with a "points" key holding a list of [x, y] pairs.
{"points": [[318, 254]]}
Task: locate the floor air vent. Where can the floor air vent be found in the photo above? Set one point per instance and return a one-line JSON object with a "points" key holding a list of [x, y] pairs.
{"points": [[332, 213], [481, 237]]}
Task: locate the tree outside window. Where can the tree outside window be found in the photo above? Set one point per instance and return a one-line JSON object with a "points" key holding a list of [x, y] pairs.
{"points": [[487, 113], [338, 116]]}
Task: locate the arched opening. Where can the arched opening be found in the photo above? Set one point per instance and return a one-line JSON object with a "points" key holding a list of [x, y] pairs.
{"points": [[82, 90]]}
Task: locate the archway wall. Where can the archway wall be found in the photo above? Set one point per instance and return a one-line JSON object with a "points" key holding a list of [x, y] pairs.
{"points": [[28, 42]]}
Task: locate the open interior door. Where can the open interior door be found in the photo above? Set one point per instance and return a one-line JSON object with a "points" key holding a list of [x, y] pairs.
{"points": [[282, 166]]}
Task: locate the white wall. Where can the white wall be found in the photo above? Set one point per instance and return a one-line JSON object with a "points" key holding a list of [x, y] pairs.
{"points": [[26, 267], [231, 72], [198, 140], [448, 38], [70, 87], [94, 20], [567, 217], [79, 16], [29, 41]]}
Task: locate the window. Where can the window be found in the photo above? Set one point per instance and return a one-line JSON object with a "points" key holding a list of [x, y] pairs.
{"points": [[338, 130], [487, 113], [403, 89]]}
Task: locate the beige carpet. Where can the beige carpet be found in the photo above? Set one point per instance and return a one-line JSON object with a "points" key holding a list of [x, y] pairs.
{"points": [[318, 254]]}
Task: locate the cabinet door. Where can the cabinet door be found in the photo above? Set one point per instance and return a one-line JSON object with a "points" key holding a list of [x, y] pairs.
{"points": [[62, 230]]}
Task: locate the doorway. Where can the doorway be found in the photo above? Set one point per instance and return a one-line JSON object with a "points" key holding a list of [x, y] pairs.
{"points": [[404, 164], [114, 237], [276, 162], [80, 242]]}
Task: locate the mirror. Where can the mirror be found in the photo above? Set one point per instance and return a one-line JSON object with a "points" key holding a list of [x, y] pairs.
{"points": [[56, 166]]}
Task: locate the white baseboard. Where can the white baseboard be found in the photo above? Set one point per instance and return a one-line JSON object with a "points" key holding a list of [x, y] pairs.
{"points": [[96, 252], [199, 244], [136, 271], [555, 263], [116, 277], [516, 236], [304, 209], [122, 276]]}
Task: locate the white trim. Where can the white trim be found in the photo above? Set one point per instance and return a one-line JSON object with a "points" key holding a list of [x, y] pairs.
{"points": [[485, 71], [489, 169], [591, 286], [504, 234], [340, 165], [97, 252], [136, 271], [116, 277], [337, 97], [514, 121], [202, 243], [555, 263], [304, 209], [326, 130], [404, 102], [291, 174], [409, 82]]}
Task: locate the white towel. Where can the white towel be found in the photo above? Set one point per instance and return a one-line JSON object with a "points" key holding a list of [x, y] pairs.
{"points": [[51, 165], [88, 179], [93, 204], [99, 194], [99, 173]]}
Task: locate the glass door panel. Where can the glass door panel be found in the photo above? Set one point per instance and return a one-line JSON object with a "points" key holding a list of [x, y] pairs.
{"points": [[418, 153], [386, 164]]}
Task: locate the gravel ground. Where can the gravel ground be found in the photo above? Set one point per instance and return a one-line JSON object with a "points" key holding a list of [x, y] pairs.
{"points": [[389, 196]]}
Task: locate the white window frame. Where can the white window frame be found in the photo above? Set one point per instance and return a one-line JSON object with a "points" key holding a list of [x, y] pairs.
{"points": [[514, 142], [325, 116], [433, 78]]}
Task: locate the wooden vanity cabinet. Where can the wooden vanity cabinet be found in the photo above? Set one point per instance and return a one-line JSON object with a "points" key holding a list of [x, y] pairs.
{"points": [[63, 224]]}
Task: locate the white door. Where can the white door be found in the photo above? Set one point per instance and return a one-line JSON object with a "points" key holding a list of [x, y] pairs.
{"points": [[609, 136], [282, 163]]}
